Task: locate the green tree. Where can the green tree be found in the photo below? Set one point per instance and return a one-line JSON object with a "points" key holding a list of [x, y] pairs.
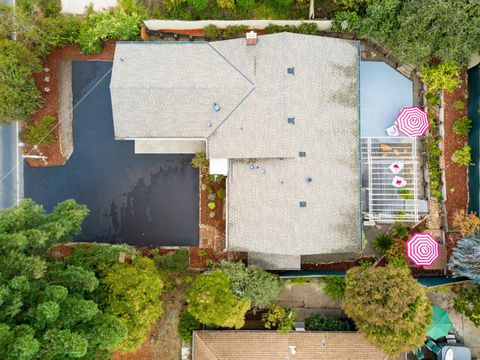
{"points": [[388, 306], [279, 318], [132, 294], [212, 302], [418, 31], [186, 325], [467, 302], [44, 312], [19, 95], [252, 283]]}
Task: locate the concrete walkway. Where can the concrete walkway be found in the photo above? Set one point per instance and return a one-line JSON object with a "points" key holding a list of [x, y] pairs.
{"points": [[308, 300], [10, 173], [462, 325]]}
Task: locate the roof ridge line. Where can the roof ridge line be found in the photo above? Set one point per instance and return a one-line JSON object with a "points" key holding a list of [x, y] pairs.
{"points": [[231, 112], [233, 66], [199, 337]]}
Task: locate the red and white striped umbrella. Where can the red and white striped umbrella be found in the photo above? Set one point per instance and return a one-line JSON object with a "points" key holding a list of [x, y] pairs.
{"points": [[422, 249], [412, 121]]}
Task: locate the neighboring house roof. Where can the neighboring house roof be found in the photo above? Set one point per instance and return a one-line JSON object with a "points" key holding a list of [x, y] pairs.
{"points": [[271, 345], [165, 90]]}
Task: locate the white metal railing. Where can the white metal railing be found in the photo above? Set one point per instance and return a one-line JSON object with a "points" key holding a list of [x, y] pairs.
{"points": [[385, 203]]}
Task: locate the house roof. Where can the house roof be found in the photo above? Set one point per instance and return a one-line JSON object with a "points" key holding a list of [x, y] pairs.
{"points": [[268, 119], [271, 345]]}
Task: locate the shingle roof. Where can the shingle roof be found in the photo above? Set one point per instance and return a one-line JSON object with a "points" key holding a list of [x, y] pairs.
{"points": [[163, 90], [271, 345]]}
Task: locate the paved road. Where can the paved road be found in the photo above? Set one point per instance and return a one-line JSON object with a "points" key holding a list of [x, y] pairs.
{"points": [[8, 162], [143, 200]]}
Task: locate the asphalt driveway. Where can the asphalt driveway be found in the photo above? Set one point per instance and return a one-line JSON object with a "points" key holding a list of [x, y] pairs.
{"points": [[143, 200]]}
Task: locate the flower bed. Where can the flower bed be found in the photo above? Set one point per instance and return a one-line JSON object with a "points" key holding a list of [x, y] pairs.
{"points": [[456, 177]]}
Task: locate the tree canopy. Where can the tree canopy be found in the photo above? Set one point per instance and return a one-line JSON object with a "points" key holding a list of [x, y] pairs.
{"points": [[464, 260], [388, 306], [417, 31], [252, 283], [212, 302], [44, 309]]}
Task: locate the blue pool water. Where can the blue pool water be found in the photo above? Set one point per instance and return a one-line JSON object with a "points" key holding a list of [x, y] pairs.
{"points": [[383, 93]]}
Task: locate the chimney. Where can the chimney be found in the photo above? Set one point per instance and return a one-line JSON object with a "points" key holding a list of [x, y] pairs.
{"points": [[251, 37]]}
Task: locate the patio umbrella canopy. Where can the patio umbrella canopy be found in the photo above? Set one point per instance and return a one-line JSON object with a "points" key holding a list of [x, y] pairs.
{"points": [[422, 249], [412, 121], [440, 325]]}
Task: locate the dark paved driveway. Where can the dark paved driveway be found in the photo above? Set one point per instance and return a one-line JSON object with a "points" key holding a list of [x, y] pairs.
{"points": [[144, 200]]}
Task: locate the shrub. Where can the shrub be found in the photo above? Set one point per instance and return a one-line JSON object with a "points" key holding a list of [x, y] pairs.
{"points": [[467, 302], [41, 133], [459, 105], [303, 28], [281, 4], [445, 76], [318, 322], [346, 21], [211, 205], [466, 224], [463, 156], [283, 320], [433, 99], [98, 27], [175, 262], [334, 287], [212, 31], [389, 306], [57, 32], [400, 231], [226, 4], [405, 194], [198, 5], [132, 294], [221, 193], [252, 283], [246, 5], [200, 161], [19, 95], [91, 256], [187, 325], [235, 30], [383, 242], [462, 126]]}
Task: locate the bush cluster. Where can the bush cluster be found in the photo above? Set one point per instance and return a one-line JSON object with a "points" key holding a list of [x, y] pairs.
{"points": [[463, 156], [303, 28], [41, 133], [318, 322], [462, 126], [466, 224]]}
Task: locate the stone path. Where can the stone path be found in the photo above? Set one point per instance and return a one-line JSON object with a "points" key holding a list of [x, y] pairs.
{"points": [[307, 301]]}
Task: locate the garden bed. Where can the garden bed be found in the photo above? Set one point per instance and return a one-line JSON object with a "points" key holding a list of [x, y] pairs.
{"points": [[456, 177], [53, 152]]}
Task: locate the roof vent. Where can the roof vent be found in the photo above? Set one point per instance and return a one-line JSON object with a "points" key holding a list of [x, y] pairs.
{"points": [[291, 70], [216, 107], [302, 154], [302, 204], [309, 179], [291, 120], [251, 38], [209, 125]]}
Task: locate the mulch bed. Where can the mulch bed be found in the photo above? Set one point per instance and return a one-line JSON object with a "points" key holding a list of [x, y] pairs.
{"points": [[218, 221], [53, 152], [456, 177]]}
